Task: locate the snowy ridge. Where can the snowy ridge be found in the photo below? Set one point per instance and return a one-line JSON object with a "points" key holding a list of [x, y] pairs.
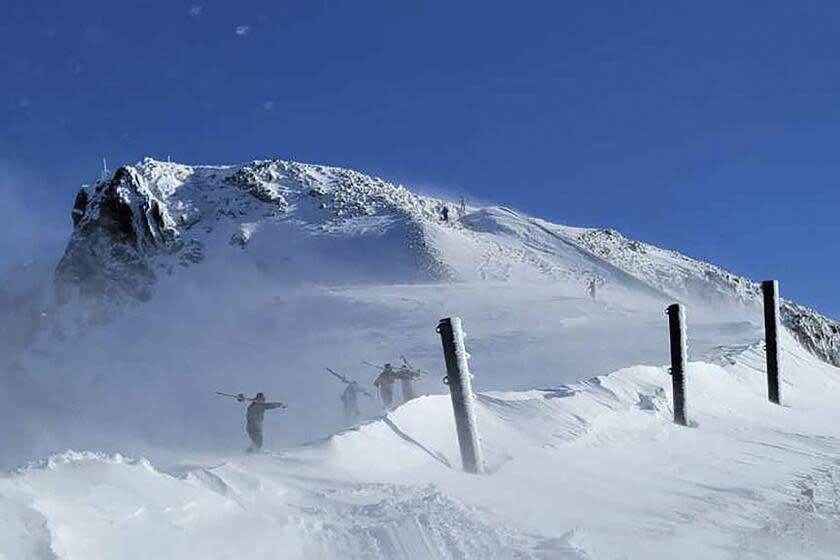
{"points": [[615, 477], [683, 278], [675, 274]]}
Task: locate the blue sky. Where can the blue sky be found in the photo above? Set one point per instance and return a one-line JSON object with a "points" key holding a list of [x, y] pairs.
{"points": [[708, 127]]}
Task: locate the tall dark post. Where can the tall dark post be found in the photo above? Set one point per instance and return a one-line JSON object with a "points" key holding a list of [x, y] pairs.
{"points": [[676, 323], [770, 288], [458, 378]]}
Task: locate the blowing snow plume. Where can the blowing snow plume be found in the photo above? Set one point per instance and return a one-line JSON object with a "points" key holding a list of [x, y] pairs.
{"points": [[179, 281], [31, 237]]}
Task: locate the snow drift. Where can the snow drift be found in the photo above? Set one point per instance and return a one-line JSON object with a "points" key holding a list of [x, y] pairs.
{"points": [[594, 469]]}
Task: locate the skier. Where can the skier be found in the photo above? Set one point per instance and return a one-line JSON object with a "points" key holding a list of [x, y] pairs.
{"points": [[445, 213], [385, 384], [407, 377], [349, 398], [255, 416], [593, 286]]}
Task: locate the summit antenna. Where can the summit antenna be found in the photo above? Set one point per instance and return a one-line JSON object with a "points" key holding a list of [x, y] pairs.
{"points": [[105, 173]]}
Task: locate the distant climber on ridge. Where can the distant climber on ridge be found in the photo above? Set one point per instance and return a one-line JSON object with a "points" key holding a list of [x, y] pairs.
{"points": [[407, 376], [350, 400], [350, 395], [385, 384]]}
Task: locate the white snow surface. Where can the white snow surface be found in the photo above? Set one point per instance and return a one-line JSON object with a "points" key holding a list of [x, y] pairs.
{"points": [[257, 277], [594, 469]]}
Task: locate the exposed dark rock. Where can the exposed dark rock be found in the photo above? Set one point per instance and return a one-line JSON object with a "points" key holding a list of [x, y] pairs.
{"points": [[116, 217], [79, 207], [819, 334], [107, 253]]}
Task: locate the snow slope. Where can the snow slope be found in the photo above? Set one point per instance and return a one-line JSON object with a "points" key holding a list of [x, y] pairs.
{"points": [[594, 469], [179, 281], [305, 223]]}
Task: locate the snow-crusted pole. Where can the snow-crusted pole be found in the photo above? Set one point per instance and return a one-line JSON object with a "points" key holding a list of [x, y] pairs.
{"points": [[676, 322], [770, 288], [458, 378]]}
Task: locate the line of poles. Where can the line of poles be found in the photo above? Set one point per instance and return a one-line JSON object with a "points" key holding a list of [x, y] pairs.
{"points": [[677, 327], [459, 379]]}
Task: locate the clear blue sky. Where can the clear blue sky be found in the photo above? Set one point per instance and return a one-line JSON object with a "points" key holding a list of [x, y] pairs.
{"points": [[708, 127]]}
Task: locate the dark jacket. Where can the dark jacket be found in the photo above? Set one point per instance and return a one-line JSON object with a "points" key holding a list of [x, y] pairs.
{"points": [[256, 413]]}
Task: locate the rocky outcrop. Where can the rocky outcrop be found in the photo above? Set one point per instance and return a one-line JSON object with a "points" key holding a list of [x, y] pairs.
{"points": [[816, 332], [79, 207], [115, 229], [152, 217]]}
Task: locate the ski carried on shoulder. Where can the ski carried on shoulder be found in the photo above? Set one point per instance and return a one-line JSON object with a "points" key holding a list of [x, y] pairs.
{"points": [[239, 397], [347, 381]]}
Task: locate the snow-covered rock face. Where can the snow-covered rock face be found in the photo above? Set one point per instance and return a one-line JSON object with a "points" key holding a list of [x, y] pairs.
{"points": [[317, 224], [154, 217], [819, 334], [675, 274], [116, 229], [684, 278]]}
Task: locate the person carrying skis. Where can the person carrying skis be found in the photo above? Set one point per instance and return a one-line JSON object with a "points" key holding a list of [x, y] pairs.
{"points": [[593, 287], [254, 418], [407, 378], [385, 384], [349, 398]]}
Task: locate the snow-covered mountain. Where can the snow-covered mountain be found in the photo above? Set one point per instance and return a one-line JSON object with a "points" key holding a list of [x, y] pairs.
{"points": [[179, 281], [312, 223], [154, 217]]}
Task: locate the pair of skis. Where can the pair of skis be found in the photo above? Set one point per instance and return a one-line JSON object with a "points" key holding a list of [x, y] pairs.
{"points": [[405, 364], [344, 379], [240, 397]]}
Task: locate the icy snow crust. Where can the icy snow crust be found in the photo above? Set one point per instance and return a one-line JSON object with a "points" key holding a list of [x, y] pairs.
{"points": [[594, 469]]}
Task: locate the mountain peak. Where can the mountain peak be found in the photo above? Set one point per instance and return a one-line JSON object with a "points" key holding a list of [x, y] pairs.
{"points": [[306, 223], [152, 216]]}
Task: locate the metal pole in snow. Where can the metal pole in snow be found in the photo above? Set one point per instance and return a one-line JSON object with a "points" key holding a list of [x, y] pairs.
{"points": [[770, 288], [676, 323], [458, 378]]}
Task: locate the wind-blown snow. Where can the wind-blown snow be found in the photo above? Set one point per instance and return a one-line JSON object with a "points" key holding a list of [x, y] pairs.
{"points": [[594, 469], [181, 280]]}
